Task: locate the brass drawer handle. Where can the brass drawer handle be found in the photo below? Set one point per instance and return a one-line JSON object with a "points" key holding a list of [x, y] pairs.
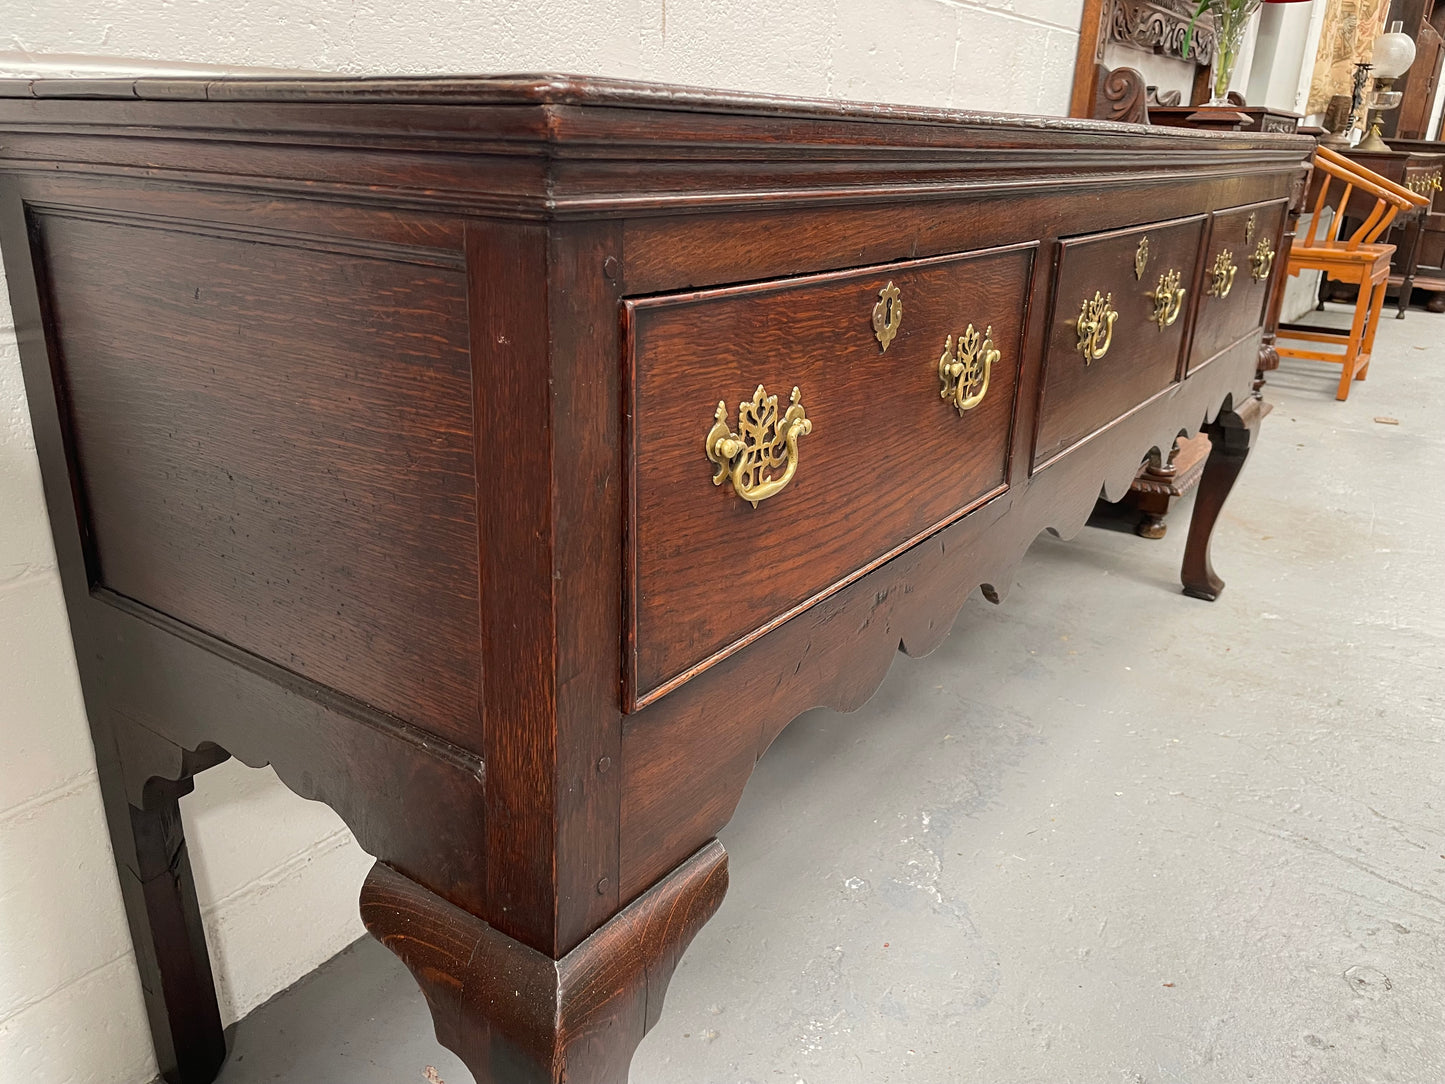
{"points": [[1262, 262], [1096, 326], [1168, 298], [1221, 275], [763, 443], [965, 367]]}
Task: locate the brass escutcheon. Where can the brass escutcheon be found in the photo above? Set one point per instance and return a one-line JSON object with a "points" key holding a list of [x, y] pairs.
{"points": [[1096, 326], [1168, 298], [1141, 257], [1249, 229], [763, 443], [965, 367], [887, 314], [1221, 275], [1262, 262]]}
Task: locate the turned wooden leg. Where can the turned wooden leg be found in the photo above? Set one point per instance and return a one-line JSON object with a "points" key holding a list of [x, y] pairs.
{"points": [[165, 924], [515, 1015], [1230, 438]]}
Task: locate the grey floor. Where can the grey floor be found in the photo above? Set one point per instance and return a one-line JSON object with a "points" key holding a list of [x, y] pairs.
{"points": [[1105, 834]]}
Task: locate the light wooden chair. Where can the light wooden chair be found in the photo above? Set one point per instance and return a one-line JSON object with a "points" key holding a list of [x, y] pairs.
{"points": [[1359, 258]]}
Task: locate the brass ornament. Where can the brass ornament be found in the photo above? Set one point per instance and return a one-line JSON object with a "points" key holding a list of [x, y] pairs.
{"points": [[887, 314], [1096, 326], [1221, 275], [1168, 298], [1249, 229], [763, 443], [1262, 262], [965, 367], [1141, 257]]}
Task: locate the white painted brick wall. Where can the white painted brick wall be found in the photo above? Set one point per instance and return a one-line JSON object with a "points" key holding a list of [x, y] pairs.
{"points": [[279, 876]]}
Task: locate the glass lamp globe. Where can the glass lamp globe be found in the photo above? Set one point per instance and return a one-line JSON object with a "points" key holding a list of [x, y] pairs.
{"points": [[1394, 53]]}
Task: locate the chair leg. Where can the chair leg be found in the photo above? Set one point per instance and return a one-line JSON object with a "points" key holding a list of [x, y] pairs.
{"points": [[1355, 347], [1376, 312]]}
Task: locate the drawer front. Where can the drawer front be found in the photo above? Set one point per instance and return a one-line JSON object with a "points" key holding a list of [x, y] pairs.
{"points": [[1125, 286], [1241, 259], [882, 460]]}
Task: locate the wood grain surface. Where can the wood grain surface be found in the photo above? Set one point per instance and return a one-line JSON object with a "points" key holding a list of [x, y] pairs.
{"points": [[264, 434], [371, 413], [712, 571]]}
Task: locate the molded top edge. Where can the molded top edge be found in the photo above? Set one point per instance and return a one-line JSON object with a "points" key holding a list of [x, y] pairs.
{"points": [[567, 90]]}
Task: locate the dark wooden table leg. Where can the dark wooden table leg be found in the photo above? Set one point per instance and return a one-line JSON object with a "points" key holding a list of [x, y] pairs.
{"points": [[1230, 437], [165, 923], [1414, 237], [516, 1016]]}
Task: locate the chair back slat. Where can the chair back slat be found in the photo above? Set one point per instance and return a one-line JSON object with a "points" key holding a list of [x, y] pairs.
{"points": [[1348, 178]]}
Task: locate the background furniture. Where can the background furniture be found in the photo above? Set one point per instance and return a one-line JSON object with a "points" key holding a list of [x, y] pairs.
{"points": [[1420, 171], [1430, 261], [1251, 118], [1348, 255], [486, 455], [1153, 26], [1418, 85]]}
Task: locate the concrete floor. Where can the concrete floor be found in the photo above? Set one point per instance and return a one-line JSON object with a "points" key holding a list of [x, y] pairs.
{"points": [[1105, 834]]}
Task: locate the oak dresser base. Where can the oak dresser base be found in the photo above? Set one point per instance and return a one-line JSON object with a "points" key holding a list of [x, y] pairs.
{"points": [[506, 462]]}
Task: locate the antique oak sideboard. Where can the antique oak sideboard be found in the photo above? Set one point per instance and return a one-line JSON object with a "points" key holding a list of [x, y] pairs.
{"points": [[506, 461]]}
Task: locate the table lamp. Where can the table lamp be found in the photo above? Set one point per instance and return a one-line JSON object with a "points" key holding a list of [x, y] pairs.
{"points": [[1393, 54]]}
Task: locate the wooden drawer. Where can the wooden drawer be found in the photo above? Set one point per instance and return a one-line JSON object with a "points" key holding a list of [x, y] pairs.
{"points": [[1115, 276], [1232, 302], [887, 459]]}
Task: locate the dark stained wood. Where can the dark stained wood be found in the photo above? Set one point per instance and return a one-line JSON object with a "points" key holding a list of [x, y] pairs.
{"points": [[1223, 321], [508, 274], [1121, 96], [872, 410], [517, 1016], [259, 463], [1082, 396], [170, 942], [1230, 436], [1163, 481], [443, 352]]}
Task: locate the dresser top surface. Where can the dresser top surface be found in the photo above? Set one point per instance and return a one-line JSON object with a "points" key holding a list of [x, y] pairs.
{"points": [[576, 91]]}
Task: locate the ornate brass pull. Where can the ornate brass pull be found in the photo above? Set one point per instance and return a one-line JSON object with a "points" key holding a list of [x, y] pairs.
{"points": [[764, 442], [1168, 298], [1262, 262], [964, 368], [887, 315], [1221, 275], [1096, 326]]}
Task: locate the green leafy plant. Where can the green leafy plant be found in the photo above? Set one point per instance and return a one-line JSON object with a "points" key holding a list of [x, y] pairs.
{"points": [[1231, 17]]}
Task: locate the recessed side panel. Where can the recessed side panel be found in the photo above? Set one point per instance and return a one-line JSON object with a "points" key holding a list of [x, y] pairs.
{"points": [[271, 442], [750, 503]]}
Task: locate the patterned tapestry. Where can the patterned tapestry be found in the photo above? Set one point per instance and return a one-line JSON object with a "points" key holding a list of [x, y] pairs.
{"points": [[1350, 29]]}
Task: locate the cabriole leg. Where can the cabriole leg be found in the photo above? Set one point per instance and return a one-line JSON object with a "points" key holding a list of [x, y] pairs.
{"points": [[1230, 438], [516, 1016]]}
